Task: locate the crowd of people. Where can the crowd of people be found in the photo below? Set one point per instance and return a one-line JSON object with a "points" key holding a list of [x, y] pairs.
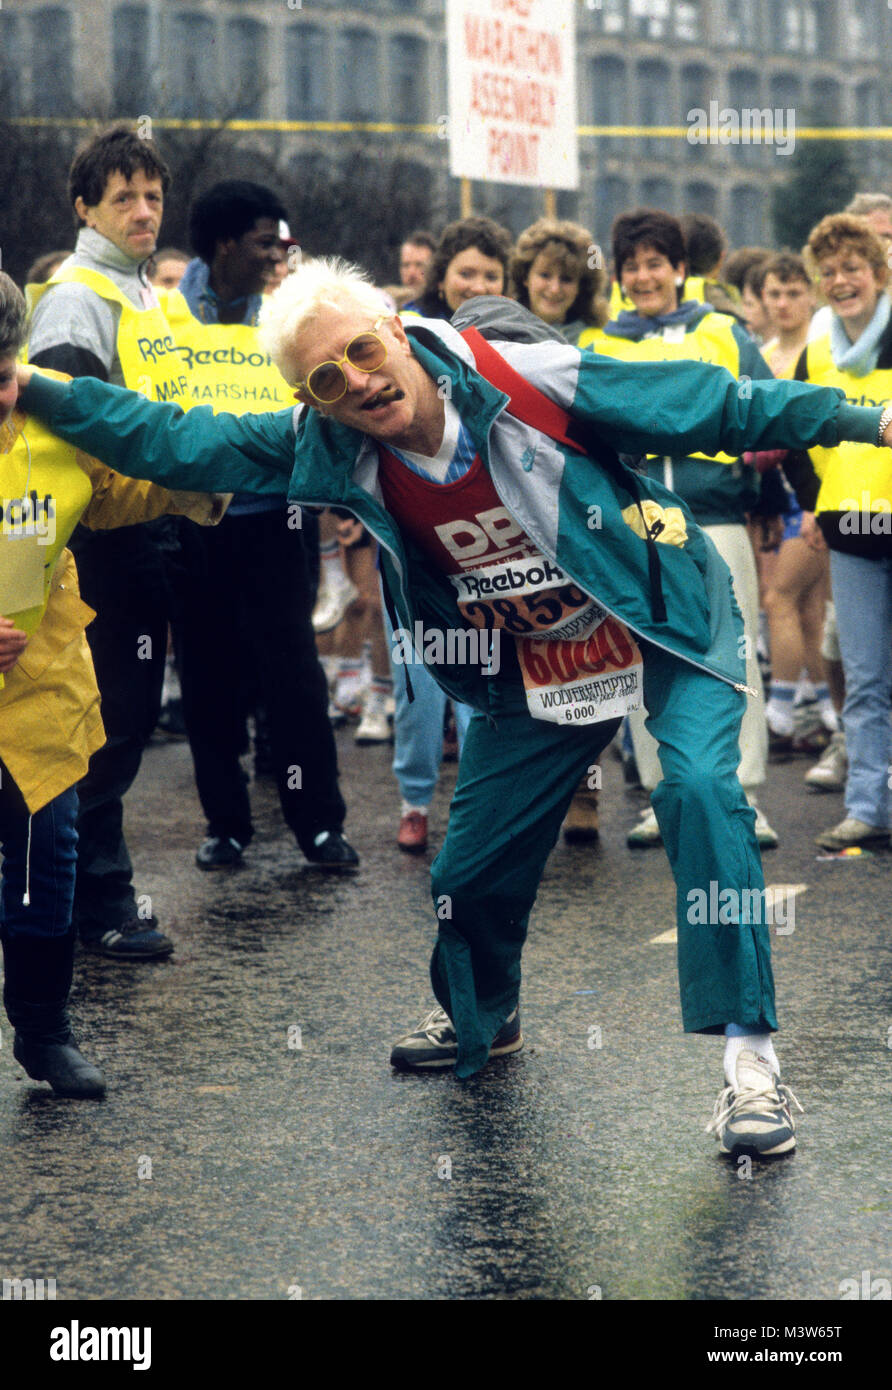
{"points": [[737, 582]]}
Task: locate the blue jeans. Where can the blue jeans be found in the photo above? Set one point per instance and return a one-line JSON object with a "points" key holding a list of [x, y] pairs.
{"points": [[862, 592], [418, 732], [49, 869]]}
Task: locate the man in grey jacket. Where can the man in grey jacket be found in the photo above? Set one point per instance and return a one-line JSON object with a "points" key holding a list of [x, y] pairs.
{"points": [[80, 326]]}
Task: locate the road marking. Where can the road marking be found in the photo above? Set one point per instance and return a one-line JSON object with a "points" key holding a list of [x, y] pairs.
{"points": [[775, 894]]}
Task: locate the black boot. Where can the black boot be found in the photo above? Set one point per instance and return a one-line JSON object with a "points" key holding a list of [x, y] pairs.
{"points": [[37, 981]]}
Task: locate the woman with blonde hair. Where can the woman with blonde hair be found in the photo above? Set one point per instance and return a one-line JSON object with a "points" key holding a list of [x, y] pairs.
{"points": [[557, 272], [848, 488]]}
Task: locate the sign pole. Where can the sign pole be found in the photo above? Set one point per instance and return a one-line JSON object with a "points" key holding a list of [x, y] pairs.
{"points": [[551, 204], [466, 197]]}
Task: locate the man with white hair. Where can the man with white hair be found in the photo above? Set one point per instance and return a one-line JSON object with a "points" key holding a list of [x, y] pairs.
{"points": [[505, 507]]}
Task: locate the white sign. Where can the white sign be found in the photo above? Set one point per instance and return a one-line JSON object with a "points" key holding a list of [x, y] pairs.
{"points": [[512, 91]]}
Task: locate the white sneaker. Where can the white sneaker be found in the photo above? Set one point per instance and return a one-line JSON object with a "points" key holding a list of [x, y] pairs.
{"points": [[332, 603], [373, 727], [756, 1113], [349, 695], [646, 832], [830, 771]]}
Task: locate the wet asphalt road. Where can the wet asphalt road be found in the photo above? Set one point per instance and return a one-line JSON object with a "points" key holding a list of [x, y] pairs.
{"points": [[227, 1162]]}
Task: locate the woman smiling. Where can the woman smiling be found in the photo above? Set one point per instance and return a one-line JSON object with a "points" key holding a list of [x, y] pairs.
{"points": [[556, 272], [850, 490]]}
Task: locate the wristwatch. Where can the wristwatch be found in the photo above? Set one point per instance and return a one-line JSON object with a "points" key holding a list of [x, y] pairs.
{"points": [[885, 422]]}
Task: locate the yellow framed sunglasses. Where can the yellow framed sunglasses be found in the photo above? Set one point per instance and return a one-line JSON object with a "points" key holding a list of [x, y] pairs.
{"points": [[366, 352]]}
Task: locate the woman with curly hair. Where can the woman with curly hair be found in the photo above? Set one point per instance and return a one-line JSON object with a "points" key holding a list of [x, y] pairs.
{"points": [[556, 271], [471, 258]]}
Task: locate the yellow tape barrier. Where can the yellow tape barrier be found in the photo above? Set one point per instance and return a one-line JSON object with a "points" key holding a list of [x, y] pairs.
{"points": [[653, 132]]}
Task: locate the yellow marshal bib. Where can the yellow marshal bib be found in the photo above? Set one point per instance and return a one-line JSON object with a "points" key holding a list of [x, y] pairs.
{"points": [[145, 346], [854, 477], [225, 364]]}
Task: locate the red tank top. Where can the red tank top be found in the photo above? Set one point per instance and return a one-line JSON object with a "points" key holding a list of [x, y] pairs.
{"points": [[578, 663]]}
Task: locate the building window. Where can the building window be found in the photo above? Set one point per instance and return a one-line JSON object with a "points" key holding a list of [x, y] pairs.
{"points": [[306, 73], [612, 196], [700, 197], [868, 28], [826, 101], [11, 65], [740, 26], [868, 112], [130, 59], [745, 95], [867, 98], [698, 89], [688, 21], [357, 75], [193, 67], [649, 19], [658, 193], [408, 81], [608, 15], [246, 77], [608, 87], [655, 107], [51, 77], [746, 223], [819, 26], [807, 27], [785, 93]]}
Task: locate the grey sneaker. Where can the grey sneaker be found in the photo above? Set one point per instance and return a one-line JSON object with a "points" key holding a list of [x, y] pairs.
{"points": [[851, 832], [755, 1115], [434, 1044], [829, 772]]}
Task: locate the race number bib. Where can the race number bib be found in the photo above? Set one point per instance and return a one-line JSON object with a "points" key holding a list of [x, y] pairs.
{"points": [[586, 681], [579, 665]]}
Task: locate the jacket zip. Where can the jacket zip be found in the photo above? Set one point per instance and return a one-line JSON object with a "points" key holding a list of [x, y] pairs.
{"points": [[735, 685]]}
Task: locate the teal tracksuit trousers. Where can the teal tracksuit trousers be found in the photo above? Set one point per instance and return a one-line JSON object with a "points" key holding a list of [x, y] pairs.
{"points": [[516, 780]]}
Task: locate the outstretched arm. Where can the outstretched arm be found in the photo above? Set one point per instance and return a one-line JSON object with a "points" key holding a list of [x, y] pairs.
{"points": [[687, 407], [197, 451], [694, 407]]}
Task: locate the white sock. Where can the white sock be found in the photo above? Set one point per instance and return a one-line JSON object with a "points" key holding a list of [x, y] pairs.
{"points": [[377, 693], [805, 691], [760, 1043], [408, 808], [332, 565], [779, 709]]}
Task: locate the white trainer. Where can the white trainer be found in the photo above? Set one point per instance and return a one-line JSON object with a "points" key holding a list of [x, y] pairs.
{"points": [[830, 771], [332, 603], [756, 1113], [374, 726]]}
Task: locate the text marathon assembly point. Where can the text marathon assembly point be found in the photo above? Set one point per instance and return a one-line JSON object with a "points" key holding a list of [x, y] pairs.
{"points": [[512, 91]]}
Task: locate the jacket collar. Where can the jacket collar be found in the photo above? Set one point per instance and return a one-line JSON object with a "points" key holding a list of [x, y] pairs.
{"points": [[629, 324], [105, 255]]}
